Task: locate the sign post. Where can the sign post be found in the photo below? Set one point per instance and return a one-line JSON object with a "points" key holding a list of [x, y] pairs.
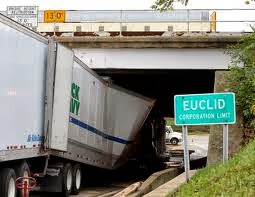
{"points": [[225, 143], [186, 151], [204, 109]]}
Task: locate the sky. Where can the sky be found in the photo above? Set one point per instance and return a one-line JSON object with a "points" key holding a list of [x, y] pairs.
{"points": [[120, 4]]}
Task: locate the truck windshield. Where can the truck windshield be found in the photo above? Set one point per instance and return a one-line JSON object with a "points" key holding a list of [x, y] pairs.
{"points": [[168, 130]]}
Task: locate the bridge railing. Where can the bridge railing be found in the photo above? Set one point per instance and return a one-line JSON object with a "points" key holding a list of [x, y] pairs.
{"points": [[185, 20]]}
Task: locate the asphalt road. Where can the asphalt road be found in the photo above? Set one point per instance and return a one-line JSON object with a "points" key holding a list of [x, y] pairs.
{"points": [[92, 191], [198, 143]]}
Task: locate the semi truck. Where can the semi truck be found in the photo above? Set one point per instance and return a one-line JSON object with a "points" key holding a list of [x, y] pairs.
{"points": [[57, 114]]}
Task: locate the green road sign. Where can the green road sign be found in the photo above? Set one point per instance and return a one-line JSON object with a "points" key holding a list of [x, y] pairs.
{"points": [[203, 109]]}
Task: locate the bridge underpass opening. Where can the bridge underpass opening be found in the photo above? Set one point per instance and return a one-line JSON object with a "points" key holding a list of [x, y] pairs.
{"points": [[149, 145], [162, 85]]}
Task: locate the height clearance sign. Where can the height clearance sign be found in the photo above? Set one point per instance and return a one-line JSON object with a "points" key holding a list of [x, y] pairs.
{"points": [[204, 109]]}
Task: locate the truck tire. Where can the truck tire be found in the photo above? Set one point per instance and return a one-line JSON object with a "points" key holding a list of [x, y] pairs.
{"points": [[77, 175], [7, 183], [22, 170], [67, 179], [174, 141]]}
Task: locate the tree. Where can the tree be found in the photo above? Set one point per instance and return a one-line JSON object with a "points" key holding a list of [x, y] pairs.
{"points": [[248, 1], [164, 5], [241, 79]]}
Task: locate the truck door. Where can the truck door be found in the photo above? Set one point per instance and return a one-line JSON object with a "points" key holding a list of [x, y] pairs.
{"points": [[61, 102]]}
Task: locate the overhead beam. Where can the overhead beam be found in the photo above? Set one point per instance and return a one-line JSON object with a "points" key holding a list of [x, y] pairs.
{"points": [[177, 40]]}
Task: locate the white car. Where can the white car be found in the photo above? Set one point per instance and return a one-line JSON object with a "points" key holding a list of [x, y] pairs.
{"points": [[172, 137]]}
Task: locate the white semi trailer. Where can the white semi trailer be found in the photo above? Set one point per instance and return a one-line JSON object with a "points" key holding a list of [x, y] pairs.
{"points": [[57, 114]]}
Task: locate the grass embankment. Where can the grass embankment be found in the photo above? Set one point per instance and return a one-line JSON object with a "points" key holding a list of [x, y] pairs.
{"points": [[235, 178]]}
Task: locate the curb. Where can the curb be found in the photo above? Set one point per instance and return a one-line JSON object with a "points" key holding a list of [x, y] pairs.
{"points": [[170, 187], [157, 179]]}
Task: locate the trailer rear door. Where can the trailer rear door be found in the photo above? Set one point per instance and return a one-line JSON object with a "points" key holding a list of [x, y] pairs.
{"points": [[62, 95]]}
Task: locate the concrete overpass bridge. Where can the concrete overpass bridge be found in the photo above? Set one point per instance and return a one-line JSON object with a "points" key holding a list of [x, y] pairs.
{"points": [[157, 54], [161, 52], [163, 66], [157, 66]]}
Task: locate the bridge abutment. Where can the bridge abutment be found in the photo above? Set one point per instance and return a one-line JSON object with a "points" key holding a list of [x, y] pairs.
{"points": [[215, 147]]}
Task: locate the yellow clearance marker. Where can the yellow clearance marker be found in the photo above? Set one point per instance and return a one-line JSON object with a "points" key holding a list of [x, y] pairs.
{"points": [[54, 16]]}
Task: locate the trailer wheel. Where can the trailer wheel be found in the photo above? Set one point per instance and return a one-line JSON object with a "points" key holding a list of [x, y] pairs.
{"points": [[76, 179], [22, 170], [67, 179], [7, 183]]}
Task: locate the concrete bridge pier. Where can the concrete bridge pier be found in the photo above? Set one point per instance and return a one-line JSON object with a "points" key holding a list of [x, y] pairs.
{"points": [[215, 148]]}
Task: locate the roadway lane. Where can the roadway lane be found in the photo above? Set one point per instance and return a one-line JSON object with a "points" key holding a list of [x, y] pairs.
{"points": [[198, 143]]}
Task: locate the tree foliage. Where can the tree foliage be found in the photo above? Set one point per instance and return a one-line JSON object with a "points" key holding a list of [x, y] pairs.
{"points": [[241, 78], [247, 2], [164, 5]]}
